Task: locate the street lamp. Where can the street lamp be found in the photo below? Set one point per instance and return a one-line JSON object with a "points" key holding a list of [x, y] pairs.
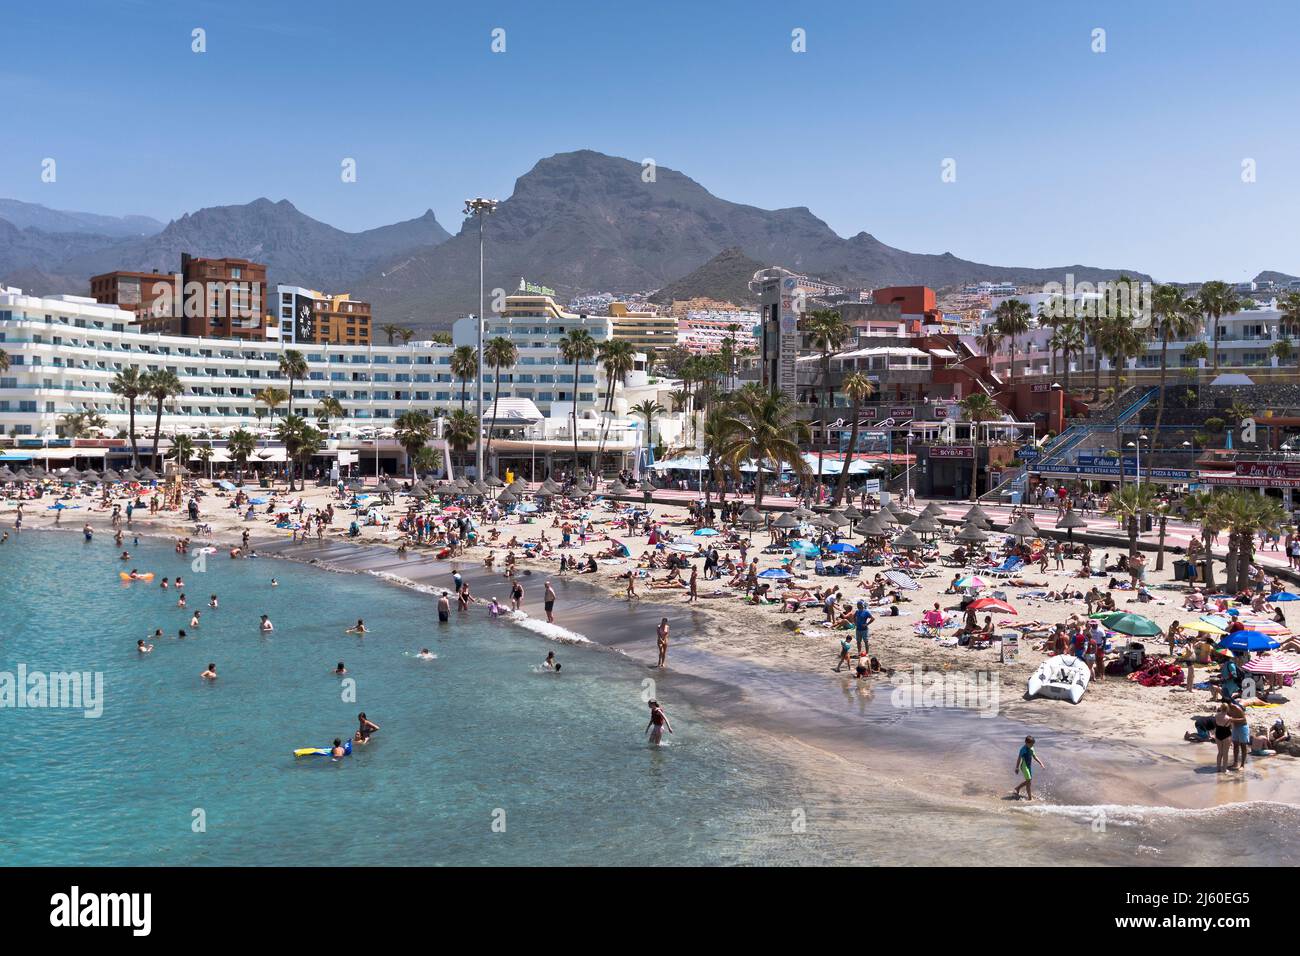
{"points": [[481, 208], [1137, 480]]}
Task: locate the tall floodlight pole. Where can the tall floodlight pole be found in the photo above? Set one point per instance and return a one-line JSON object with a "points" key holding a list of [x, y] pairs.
{"points": [[479, 207]]}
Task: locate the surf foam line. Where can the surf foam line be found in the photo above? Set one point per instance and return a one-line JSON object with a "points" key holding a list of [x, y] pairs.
{"points": [[1134, 814]]}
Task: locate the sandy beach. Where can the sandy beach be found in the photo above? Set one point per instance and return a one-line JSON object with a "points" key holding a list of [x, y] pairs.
{"points": [[769, 653]]}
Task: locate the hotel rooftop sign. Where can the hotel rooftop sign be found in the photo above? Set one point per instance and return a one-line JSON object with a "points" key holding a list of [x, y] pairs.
{"points": [[533, 289]]}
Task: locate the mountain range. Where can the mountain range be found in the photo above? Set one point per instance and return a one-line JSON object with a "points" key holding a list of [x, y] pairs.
{"points": [[579, 222]]}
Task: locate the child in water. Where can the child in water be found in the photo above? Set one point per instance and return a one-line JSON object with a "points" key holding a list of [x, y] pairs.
{"points": [[1025, 767]]}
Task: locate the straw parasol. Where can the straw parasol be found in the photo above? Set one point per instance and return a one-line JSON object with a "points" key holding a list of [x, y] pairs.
{"points": [[924, 525], [492, 481], [110, 476], [617, 487], [146, 474], [1022, 527], [971, 534], [853, 514], [976, 513], [787, 520], [1070, 522], [908, 541], [872, 526], [6, 474], [506, 497], [932, 510], [751, 516], [838, 519]]}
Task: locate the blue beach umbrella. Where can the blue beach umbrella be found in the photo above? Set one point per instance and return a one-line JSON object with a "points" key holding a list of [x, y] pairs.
{"points": [[843, 547], [1282, 596], [1247, 641], [775, 573], [806, 548], [706, 532]]}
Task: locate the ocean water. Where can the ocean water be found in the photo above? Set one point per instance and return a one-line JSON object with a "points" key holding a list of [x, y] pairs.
{"points": [[482, 757]]}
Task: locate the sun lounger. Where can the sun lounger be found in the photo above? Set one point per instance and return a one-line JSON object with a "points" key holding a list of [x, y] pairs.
{"points": [[1007, 568]]}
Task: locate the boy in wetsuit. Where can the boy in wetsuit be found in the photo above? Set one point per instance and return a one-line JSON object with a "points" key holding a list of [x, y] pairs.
{"points": [[1025, 767]]}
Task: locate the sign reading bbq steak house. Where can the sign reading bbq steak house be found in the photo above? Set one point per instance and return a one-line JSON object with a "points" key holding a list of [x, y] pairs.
{"points": [[1268, 469]]}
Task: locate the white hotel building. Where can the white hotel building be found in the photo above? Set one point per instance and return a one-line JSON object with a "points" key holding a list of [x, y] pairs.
{"points": [[65, 350]]}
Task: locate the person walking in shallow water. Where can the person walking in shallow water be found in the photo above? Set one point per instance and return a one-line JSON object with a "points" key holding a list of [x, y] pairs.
{"points": [[662, 636], [1025, 767], [658, 724]]}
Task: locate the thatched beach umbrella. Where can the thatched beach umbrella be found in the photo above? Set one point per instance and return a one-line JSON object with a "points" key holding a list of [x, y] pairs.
{"points": [[751, 516], [908, 541], [6, 474], [71, 474], [462, 483], [838, 519], [932, 510], [1070, 522], [976, 513], [506, 497], [872, 526], [518, 486], [799, 511], [1022, 527], [492, 481], [853, 514], [617, 487], [787, 521], [924, 525], [146, 474], [110, 476], [971, 534]]}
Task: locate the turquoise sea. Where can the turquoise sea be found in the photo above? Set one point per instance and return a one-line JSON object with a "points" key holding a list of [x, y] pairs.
{"points": [[485, 759], [481, 758]]}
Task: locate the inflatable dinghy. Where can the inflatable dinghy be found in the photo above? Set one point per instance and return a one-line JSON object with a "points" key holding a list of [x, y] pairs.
{"points": [[1063, 677]]}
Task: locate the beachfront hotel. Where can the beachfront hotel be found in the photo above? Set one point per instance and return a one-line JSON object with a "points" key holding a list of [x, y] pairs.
{"points": [[64, 351]]}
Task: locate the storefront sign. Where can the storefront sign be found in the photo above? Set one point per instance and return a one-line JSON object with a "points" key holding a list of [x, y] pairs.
{"points": [[1247, 481], [1112, 471], [1268, 469], [952, 451], [902, 411]]}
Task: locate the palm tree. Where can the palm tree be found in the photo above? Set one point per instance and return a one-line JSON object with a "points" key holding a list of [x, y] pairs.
{"points": [[827, 334], [679, 397], [414, 429], [858, 388], [500, 353], [391, 330], [4, 361], [618, 358], [762, 426], [241, 443], [1011, 318], [182, 449], [329, 408], [290, 431], [1207, 507], [1216, 299], [1249, 514], [1129, 504], [1067, 338], [1174, 320], [461, 430], [464, 366], [272, 398], [715, 438], [130, 384], [160, 386], [975, 408], [577, 347], [407, 334], [1282, 350], [648, 410], [427, 460], [293, 366], [204, 454], [82, 424], [1289, 305]]}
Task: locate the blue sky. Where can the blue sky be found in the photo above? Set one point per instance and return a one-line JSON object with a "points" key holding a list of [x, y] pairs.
{"points": [[1131, 157]]}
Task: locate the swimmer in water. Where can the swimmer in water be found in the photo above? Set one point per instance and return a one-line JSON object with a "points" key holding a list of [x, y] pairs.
{"points": [[340, 670], [266, 625], [494, 608], [365, 728], [180, 601], [179, 583], [337, 750], [212, 601], [124, 556], [550, 663], [142, 647], [194, 621], [210, 673], [425, 654], [444, 608], [274, 583], [360, 628], [180, 635], [164, 584], [658, 724]]}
